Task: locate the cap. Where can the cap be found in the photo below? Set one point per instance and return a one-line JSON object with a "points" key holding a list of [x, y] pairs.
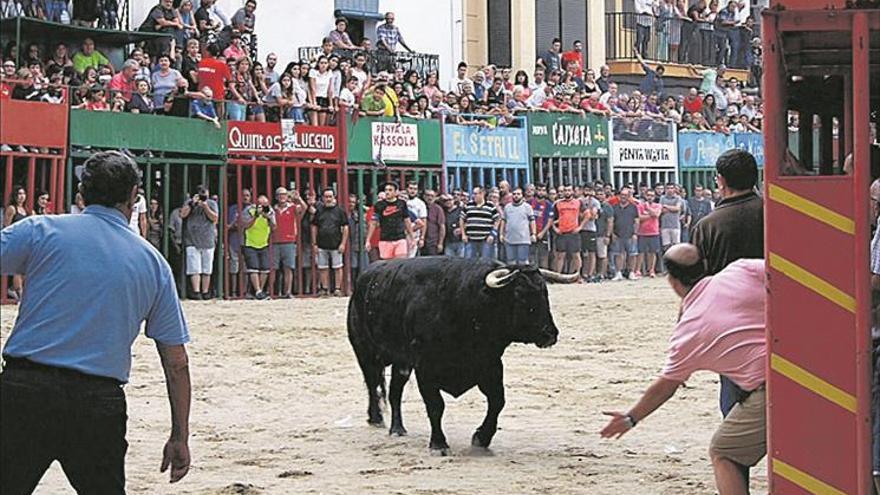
{"points": [[280, 190]]}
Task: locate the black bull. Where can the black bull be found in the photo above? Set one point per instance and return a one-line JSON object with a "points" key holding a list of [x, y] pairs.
{"points": [[449, 319]]}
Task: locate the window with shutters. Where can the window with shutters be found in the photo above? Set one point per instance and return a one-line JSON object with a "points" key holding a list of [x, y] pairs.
{"points": [[498, 20], [563, 19]]}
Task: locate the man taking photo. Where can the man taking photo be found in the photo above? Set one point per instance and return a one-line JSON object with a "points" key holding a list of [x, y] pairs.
{"points": [[69, 354]]}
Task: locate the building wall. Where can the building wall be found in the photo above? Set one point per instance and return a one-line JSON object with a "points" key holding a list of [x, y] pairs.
{"points": [[285, 25], [476, 43], [522, 25]]}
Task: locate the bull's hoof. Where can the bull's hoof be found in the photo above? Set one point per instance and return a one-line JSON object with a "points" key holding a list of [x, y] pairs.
{"points": [[376, 421], [478, 441], [441, 452], [397, 431]]}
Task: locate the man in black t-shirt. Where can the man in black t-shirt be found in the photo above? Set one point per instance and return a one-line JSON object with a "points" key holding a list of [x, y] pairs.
{"points": [[330, 235], [392, 219], [734, 230], [189, 66]]}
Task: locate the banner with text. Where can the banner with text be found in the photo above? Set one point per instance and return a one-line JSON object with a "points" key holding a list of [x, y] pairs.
{"points": [[642, 144], [282, 139], [555, 134], [702, 149], [502, 146], [409, 142]]}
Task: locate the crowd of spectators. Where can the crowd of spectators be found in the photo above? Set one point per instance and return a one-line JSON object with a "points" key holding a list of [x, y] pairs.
{"points": [[712, 32]]}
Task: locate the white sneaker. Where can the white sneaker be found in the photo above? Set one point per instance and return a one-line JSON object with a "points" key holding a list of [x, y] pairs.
{"points": [[633, 276], [5, 147], [618, 277]]}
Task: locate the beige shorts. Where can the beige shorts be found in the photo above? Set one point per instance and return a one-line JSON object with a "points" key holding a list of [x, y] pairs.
{"points": [[742, 436], [602, 247]]}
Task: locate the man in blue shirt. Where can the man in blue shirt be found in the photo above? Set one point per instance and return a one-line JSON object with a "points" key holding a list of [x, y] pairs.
{"points": [[91, 282]]}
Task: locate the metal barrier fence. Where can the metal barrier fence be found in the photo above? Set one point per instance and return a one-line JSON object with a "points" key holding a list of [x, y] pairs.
{"points": [[565, 170]]}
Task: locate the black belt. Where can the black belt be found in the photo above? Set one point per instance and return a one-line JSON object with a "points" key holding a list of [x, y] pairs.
{"points": [[15, 363]]}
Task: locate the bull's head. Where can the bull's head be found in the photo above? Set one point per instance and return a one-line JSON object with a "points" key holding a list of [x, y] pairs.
{"points": [[528, 305]]}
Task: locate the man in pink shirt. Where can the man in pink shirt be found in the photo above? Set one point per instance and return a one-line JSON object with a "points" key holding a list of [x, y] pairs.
{"points": [[123, 81], [720, 329], [649, 233]]}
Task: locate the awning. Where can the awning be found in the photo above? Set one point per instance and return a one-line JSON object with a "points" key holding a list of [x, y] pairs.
{"points": [[358, 14]]}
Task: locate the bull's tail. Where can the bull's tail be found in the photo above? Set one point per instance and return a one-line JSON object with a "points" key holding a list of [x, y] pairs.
{"points": [[370, 363]]}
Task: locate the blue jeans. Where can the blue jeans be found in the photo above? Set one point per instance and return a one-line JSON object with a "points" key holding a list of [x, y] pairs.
{"points": [[50, 414], [235, 111], [454, 249], [479, 249], [643, 36], [516, 254]]}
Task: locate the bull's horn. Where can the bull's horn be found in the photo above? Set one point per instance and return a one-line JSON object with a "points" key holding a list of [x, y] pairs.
{"points": [[499, 278], [561, 278]]}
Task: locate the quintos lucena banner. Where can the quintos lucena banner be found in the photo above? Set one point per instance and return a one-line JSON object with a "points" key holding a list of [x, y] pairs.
{"points": [[284, 138], [393, 141], [642, 144]]}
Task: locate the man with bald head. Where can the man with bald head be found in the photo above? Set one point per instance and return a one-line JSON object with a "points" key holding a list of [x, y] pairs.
{"points": [[720, 329]]}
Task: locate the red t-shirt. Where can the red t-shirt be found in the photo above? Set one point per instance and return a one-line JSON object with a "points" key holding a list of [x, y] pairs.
{"points": [[374, 239], [650, 226], [214, 74], [5, 91], [286, 229], [693, 106], [587, 105], [121, 84], [568, 212]]}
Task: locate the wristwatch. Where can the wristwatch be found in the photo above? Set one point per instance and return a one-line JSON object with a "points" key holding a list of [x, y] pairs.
{"points": [[630, 421]]}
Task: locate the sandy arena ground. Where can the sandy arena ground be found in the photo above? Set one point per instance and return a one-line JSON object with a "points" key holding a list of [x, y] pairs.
{"points": [[279, 407]]}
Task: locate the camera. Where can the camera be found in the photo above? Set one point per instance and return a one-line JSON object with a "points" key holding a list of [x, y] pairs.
{"points": [[202, 193], [266, 209]]}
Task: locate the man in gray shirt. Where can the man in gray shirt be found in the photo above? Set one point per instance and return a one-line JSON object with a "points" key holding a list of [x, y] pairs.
{"points": [[589, 245], [200, 216], [670, 216], [518, 229]]}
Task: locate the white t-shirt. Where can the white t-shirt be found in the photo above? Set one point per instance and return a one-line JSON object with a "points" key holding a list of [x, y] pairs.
{"points": [[136, 210], [420, 210], [322, 83], [347, 97]]}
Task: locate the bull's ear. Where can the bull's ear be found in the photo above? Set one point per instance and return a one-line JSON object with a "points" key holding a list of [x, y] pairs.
{"points": [[497, 279]]}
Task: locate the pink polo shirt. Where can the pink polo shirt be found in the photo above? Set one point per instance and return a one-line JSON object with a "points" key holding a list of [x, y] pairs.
{"points": [[650, 226], [722, 327]]}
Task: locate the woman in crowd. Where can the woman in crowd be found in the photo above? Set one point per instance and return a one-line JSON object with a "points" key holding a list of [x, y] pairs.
{"points": [[187, 19], [299, 96], [411, 85], [117, 102], [710, 111], [279, 98], [240, 89], [423, 105], [165, 80], [154, 224], [42, 206], [466, 110], [25, 89], [590, 85], [258, 76], [432, 85], [361, 72], [521, 80], [670, 110], [97, 101], [60, 58], [321, 91], [337, 70], [33, 54], [141, 102], [16, 210], [734, 94]]}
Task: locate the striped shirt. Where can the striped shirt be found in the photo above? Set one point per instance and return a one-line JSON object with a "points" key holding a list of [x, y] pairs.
{"points": [[480, 220]]}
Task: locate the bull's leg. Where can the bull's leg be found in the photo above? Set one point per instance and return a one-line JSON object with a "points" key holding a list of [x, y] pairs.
{"points": [[492, 386], [430, 391], [374, 377], [399, 377]]}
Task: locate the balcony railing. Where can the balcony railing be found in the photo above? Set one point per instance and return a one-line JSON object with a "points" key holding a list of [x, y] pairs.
{"points": [[675, 41], [381, 60]]}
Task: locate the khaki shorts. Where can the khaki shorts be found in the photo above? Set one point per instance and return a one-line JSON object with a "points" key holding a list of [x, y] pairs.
{"points": [[742, 436], [602, 247]]}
